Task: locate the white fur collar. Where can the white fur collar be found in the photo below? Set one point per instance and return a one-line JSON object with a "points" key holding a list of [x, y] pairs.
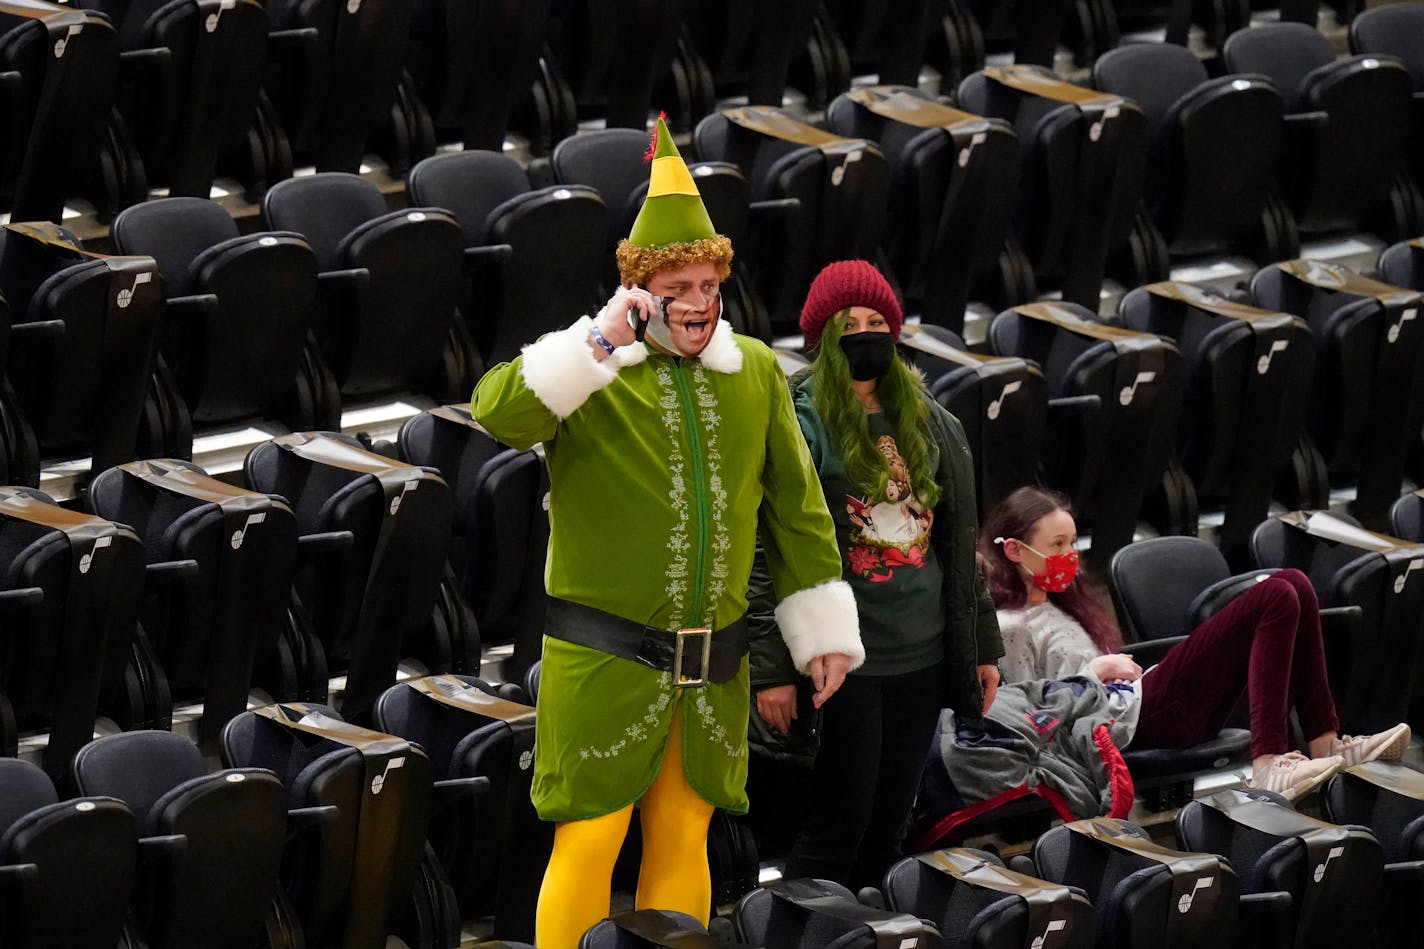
{"points": [[722, 354]]}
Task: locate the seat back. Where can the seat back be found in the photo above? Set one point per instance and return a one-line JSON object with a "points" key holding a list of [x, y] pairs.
{"points": [[607, 161], [1145, 894], [1154, 582], [969, 892], [1120, 395], [79, 853], [1331, 872], [1402, 264], [806, 913], [1386, 797], [648, 929]]}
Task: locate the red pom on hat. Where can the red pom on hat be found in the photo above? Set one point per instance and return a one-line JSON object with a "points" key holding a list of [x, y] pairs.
{"points": [[844, 284]]}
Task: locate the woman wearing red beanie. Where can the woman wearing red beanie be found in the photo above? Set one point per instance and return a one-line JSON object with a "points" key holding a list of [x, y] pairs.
{"points": [[899, 481]]}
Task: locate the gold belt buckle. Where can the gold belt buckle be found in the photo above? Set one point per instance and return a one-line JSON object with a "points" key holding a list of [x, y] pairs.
{"points": [[683, 635]]}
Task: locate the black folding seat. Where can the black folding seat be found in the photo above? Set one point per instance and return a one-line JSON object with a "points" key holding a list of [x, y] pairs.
{"points": [[883, 38], [1145, 895], [953, 178], [979, 904], [1375, 667], [611, 54], [1082, 161], [1029, 30], [221, 562], [370, 585], [1001, 401], [1249, 372], [189, 87], [242, 309], [500, 530], [748, 45], [1388, 798], [1398, 31], [1336, 110], [492, 845], [359, 805], [1326, 877], [515, 290], [82, 351], [819, 914], [1114, 397], [61, 64], [1402, 264], [211, 842], [1213, 146], [471, 63], [650, 929], [67, 866], [817, 198], [954, 43], [71, 593], [820, 69], [386, 320], [333, 74], [1368, 338]]}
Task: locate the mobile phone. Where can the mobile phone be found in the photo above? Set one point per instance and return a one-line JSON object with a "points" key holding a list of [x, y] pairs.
{"points": [[638, 320]]}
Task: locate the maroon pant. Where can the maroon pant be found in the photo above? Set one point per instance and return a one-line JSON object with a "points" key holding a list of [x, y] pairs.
{"points": [[1265, 642]]}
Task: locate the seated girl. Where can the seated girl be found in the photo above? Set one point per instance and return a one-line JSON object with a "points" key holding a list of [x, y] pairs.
{"points": [[1266, 642]]}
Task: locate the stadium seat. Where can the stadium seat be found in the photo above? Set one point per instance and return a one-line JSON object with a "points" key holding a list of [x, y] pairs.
{"points": [[221, 562], [953, 178], [954, 43], [501, 528], [211, 843], [59, 856], [1029, 30], [1114, 397], [1213, 146], [819, 914], [1329, 875], [368, 580], [652, 929], [242, 307], [612, 52], [1249, 373], [970, 893], [82, 351], [1374, 666], [1368, 340], [1082, 161], [883, 38], [1402, 264], [386, 319], [1406, 516], [1398, 31], [1335, 111], [748, 45], [358, 804], [532, 255], [820, 68], [492, 844], [816, 198]]}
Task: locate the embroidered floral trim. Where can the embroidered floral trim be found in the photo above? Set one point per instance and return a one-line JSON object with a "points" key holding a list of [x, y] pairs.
{"points": [[716, 732], [638, 731], [678, 545], [711, 419]]}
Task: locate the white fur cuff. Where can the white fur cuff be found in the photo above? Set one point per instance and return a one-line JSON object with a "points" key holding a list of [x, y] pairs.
{"points": [[821, 620], [560, 370]]}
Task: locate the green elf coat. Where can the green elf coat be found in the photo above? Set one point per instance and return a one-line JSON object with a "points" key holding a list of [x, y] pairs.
{"points": [[661, 470]]}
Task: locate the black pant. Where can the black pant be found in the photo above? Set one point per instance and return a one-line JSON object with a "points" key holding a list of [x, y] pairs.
{"points": [[875, 736]]}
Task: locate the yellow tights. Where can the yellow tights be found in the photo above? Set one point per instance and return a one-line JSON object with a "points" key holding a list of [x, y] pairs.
{"points": [[673, 875]]}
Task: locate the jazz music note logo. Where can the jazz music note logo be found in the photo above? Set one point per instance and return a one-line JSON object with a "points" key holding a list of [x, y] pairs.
{"points": [[1404, 317], [87, 561], [1125, 396], [1185, 903], [211, 23], [1320, 870], [62, 43], [997, 405], [1403, 578], [239, 535], [379, 781], [126, 296], [978, 138], [1054, 925], [396, 501], [1263, 365], [838, 175]]}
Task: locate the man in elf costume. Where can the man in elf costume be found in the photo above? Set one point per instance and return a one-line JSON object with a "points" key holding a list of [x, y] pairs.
{"points": [[665, 456]]}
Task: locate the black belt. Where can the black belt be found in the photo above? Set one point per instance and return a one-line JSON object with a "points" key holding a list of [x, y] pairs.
{"points": [[693, 656]]}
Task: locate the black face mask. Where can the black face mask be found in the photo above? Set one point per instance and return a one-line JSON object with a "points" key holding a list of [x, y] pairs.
{"points": [[869, 354]]}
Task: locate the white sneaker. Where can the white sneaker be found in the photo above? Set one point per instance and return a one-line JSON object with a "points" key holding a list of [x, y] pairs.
{"points": [[1388, 745], [1293, 774]]}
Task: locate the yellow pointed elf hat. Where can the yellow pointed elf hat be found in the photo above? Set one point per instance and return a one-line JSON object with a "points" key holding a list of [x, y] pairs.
{"points": [[672, 228]]}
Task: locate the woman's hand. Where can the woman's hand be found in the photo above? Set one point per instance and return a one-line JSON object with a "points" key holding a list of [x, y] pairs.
{"points": [[989, 683], [827, 673], [1115, 667], [777, 706]]}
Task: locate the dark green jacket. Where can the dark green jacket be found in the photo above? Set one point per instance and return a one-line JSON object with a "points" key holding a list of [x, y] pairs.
{"points": [[971, 636]]}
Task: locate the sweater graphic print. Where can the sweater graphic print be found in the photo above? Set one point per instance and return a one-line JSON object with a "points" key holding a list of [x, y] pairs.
{"points": [[889, 535]]}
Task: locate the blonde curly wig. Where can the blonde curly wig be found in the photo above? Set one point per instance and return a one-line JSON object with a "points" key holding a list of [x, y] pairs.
{"points": [[638, 264]]}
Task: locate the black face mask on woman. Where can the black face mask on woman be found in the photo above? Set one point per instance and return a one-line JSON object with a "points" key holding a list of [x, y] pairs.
{"points": [[869, 354]]}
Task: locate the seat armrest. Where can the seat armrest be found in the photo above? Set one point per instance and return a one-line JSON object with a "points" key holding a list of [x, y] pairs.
{"points": [[1071, 406], [1149, 652], [1267, 916], [286, 45], [302, 819], [341, 279], [773, 207], [196, 305], [168, 571], [165, 847], [39, 329], [20, 598], [16, 875], [453, 790], [137, 63], [1409, 871], [312, 546], [1341, 620]]}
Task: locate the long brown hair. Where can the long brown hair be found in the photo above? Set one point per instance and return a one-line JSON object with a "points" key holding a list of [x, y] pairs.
{"points": [[1015, 516]]}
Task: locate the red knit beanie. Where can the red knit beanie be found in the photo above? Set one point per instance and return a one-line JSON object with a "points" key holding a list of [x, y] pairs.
{"points": [[843, 284]]}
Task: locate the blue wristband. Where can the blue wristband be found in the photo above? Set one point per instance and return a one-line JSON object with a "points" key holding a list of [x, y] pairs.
{"points": [[606, 346]]}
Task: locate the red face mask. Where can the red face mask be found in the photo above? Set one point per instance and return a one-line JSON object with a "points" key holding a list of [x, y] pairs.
{"points": [[1058, 570]]}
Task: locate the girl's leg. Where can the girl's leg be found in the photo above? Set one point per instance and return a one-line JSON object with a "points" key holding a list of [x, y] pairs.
{"points": [[674, 873], [1309, 684], [578, 882]]}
